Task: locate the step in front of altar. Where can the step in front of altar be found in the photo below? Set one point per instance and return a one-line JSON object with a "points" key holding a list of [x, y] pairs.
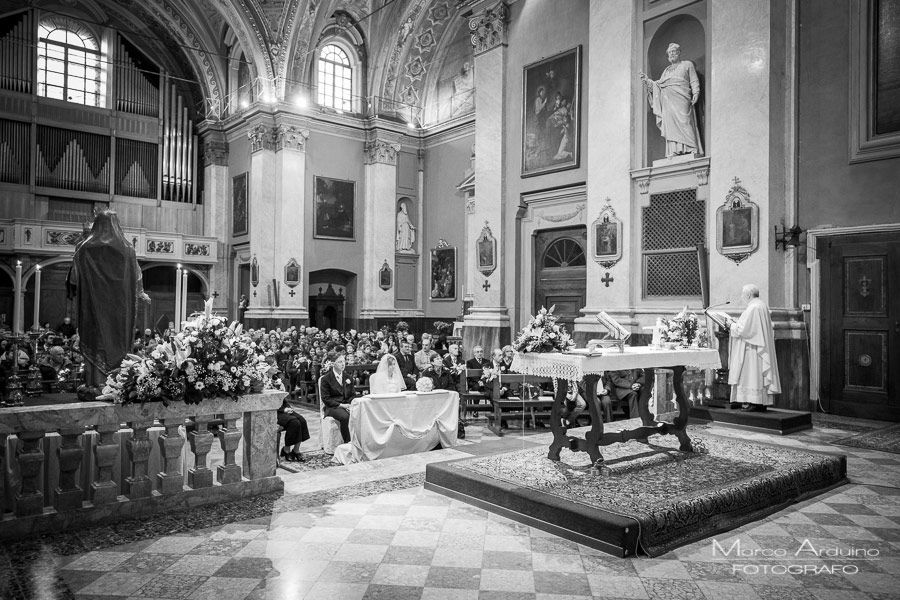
{"points": [[773, 420]]}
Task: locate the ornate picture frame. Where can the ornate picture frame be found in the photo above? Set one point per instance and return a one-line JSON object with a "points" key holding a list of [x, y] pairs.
{"points": [[737, 225], [240, 207], [607, 237], [385, 277], [292, 273], [486, 251], [334, 209], [551, 114], [254, 272], [443, 272]]}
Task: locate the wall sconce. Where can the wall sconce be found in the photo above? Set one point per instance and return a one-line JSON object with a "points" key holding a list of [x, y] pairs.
{"points": [[788, 237]]}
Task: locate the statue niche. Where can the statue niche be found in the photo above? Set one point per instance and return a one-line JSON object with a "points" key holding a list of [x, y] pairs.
{"points": [[405, 238]]}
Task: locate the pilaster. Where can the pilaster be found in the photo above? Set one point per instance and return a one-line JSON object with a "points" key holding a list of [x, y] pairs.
{"points": [[290, 229], [216, 205], [261, 193]]}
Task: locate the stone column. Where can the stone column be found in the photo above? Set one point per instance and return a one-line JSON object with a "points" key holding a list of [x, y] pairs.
{"points": [[290, 200], [487, 323], [379, 225], [262, 207], [216, 213], [611, 43]]}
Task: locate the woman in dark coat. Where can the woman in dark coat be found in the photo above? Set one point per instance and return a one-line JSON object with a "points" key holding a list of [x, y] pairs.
{"points": [[296, 431]]}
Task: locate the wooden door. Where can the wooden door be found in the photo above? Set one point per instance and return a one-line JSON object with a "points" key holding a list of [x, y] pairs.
{"points": [[561, 272], [860, 362]]}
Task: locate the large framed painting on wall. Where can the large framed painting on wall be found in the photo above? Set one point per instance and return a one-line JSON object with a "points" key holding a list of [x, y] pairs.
{"points": [[335, 207], [443, 271], [239, 207], [551, 114]]}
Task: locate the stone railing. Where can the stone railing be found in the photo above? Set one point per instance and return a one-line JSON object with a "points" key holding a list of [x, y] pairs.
{"points": [[82, 463]]}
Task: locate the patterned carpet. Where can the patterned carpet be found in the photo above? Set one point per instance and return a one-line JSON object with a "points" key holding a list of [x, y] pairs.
{"points": [[886, 439], [676, 497]]}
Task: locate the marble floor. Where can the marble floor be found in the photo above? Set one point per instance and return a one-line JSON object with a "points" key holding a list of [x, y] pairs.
{"points": [[370, 531]]}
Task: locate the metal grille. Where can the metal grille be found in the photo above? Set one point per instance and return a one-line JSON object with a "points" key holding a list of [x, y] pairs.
{"points": [[673, 226], [672, 274]]}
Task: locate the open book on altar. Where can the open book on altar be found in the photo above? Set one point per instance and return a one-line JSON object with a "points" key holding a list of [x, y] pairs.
{"points": [[720, 318], [615, 331]]}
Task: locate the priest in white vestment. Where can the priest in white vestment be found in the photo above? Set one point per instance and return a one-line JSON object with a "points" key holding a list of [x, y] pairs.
{"points": [[752, 368]]}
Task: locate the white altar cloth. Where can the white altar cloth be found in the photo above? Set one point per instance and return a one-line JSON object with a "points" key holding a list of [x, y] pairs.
{"points": [[575, 365], [384, 425]]}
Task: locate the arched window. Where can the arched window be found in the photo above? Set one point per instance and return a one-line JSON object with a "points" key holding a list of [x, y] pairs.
{"points": [[68, 62], [335, 81], [564, 252]]}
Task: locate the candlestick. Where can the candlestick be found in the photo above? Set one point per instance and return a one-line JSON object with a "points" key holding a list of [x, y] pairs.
{"points": [[19, 316], [184, 290], [178, 299], [37, 297]]}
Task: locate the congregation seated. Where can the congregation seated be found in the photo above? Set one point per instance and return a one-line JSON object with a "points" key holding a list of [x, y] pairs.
{"points": [[423, 357], [477, 362], [53, 361], [388, 378], [454, 362]]}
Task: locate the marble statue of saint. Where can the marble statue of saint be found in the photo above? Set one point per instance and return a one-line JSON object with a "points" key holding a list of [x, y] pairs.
{"points": [[406, 231], [105, 280], [672, 98]]}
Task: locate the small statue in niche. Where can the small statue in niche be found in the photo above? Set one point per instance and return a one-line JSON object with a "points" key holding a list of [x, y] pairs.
{"points": [[672, 98], [406, 231]]}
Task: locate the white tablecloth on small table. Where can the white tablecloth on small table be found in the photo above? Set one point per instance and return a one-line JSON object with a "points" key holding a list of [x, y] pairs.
{"points": [[384, 425], [573, 366]]}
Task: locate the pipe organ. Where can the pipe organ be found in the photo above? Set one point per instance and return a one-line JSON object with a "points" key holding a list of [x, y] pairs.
{"points": [[80, 148]]}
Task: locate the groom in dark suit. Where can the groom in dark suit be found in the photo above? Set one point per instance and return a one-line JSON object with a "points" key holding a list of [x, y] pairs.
{"points": [[407, 363], [337, 392]]}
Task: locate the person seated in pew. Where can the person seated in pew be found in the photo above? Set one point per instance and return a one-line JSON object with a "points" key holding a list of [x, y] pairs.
{"points": [[337, 393], [296, 431], [387, 378], [478, 361], [54, 361], [627, 386], [423, 356], [454, 363], [438, 374], [507, 358], [407, 364]]}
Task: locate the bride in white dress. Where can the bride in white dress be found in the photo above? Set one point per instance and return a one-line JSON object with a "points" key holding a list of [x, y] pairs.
{"points": [[387, 379]]}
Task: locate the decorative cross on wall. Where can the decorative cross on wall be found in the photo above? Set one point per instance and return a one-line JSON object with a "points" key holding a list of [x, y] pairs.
{"points": [[215, 294], [292, 293], [254, 293], [606, 279], [487, 285]]}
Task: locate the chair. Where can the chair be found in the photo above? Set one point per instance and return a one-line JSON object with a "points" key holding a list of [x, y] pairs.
{"points": [[330, 432]]}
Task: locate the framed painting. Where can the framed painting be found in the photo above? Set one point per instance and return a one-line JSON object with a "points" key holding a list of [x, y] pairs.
{"points": [[486, 247], [737, 224], [607, 231], [443, 271], [385, 277], [239, 206], [551, 114], [334, 209], [292, 273]]}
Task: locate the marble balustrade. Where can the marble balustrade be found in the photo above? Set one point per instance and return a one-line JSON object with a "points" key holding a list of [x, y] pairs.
{"points": [[79, 457]]}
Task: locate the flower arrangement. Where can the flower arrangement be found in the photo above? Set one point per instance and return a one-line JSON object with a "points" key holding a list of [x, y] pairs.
{"points": [[682, 329], [424, 384], [208, 358], [488, 374], [543, 334], [443, 327]]}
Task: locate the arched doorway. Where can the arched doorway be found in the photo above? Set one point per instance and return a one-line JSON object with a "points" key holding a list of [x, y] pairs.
{"points": [[332, 299], [561, 272], [159, 283]]}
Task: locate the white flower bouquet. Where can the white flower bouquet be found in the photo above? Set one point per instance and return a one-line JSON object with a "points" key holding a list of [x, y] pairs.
{"points": [[424, 384], [543, 334]]}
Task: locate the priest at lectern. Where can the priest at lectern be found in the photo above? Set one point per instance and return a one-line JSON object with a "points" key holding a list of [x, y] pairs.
{"points": [[752, 368]]}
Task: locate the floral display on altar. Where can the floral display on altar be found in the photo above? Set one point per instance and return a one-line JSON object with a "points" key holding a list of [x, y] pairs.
{"points": [[683, 330], [209, 358], [543, 334]]}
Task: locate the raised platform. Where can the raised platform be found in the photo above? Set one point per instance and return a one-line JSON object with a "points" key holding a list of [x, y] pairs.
{"points": [[648, 498], [773, 420]]}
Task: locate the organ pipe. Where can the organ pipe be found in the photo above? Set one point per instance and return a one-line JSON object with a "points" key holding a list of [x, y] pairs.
{"points": [[17, 53]]}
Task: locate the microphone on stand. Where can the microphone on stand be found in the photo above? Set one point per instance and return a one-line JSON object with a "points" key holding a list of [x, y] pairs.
{"points": [[716, 305], [717, 320]]}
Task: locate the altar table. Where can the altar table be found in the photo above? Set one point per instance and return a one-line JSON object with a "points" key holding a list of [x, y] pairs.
{"points": [[577, 365], [385, 425]]}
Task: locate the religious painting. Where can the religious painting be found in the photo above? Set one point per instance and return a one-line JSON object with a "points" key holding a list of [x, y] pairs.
{"points": [[239, 206], [254, 272], [486, 247], [737, 224], [292, 273], [551, 114], [335, 205], [443, 272], [607, 232], [385, 277]]}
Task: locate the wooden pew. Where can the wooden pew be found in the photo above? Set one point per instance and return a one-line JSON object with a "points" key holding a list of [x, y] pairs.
{"points": [[472, 400], [514, 406]]}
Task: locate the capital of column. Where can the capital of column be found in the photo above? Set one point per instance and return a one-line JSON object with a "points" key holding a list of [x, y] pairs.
{"points": [[261, 137], [290, 137], [215, 153], [381, 152], [489, 28]]}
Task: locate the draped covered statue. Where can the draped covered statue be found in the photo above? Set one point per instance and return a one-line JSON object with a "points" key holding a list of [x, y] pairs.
{"points": [[105, 281]]}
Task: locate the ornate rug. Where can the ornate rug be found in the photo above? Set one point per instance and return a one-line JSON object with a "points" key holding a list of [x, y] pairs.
{"points": [[677, 498], [833, 422], [312, 461], [886, 439]]}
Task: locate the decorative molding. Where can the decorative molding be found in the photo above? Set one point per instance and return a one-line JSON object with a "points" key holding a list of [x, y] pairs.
{"points": [[261, 138], [737, 225], [702, 176], [643, 185], [290, 137], [563, 217], [607, 234], [489, 28], [470, 206], [215, 154], [194, 249], [381, 152]]}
